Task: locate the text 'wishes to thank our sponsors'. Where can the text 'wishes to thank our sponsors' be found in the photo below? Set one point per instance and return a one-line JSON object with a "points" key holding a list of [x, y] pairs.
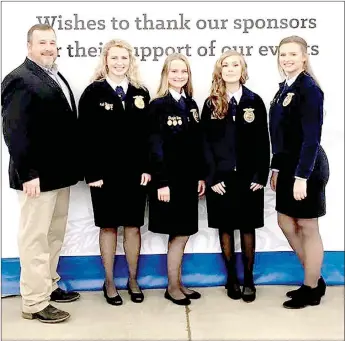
{"points": [[144, 23]]}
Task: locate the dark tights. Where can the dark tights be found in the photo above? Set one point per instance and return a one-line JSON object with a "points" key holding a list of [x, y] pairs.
{"points": [[248, 254]]}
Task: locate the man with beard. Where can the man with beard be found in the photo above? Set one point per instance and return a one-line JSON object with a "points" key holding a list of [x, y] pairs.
{"points": [[40, 131]]}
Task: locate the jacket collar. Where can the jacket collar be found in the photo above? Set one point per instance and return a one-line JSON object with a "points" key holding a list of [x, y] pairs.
{"points": [[43, 75]]}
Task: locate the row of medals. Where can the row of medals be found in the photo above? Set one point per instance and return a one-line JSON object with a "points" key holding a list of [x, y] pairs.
{"points": [[174, 120]]}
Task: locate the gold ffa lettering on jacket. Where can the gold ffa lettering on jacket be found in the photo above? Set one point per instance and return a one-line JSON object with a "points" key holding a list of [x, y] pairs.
{"points": [[107, 106]]}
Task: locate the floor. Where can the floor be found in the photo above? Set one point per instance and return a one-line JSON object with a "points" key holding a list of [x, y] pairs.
{"points": [[214, 317]]}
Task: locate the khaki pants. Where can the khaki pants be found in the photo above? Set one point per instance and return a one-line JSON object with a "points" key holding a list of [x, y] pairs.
{"points": [[42, 229]]}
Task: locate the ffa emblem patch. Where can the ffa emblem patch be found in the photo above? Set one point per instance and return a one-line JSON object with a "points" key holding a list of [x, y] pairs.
{"points": [[139, 102], [288, 99], [249, 115]]}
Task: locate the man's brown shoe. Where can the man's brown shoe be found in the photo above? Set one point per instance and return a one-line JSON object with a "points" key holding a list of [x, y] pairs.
{"points": [[49, 314], [62, 296]]}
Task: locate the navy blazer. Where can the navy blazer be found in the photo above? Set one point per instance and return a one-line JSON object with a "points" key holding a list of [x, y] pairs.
{"points": [[115, 138], [242, 144], [40, 129], [175, 142], [296, 117]]}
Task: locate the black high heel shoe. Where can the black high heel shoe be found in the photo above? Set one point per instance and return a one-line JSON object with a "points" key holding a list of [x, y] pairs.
{"points": [[249, 293], [232, 287], [136, 297], [116, 300], [233, 291]]}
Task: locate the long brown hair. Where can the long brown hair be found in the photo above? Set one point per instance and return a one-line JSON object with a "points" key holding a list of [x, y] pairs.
{"points": [[218, 96], [304, 48], [163, 87]]}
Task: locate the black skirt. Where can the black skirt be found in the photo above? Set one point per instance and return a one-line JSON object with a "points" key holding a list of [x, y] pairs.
{"points": [[119, 203], [239, 208], [314, 205], [179, 216]]}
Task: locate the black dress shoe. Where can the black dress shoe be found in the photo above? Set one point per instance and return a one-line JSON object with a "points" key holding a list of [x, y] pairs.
{"points": [[249, 293], [306, 296], [321, 284], [136, 297], [49, 314], [183, 301], [116, 300], [233, 290], [193, 296], [62, 296]]}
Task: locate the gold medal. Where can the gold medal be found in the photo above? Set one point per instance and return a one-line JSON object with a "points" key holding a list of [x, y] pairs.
{"points": [[139, 102], [288, 99], [108, 106], [169, 122], [249, 115], [174, 122], [179, 122]]}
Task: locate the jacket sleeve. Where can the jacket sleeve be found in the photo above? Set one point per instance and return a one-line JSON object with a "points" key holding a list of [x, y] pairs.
{"points": [[262, 145], [200, 159], [209, 162], [18, 105], [146, 136], [158, 165], [275, 162], [311, 121], [91, 137]]}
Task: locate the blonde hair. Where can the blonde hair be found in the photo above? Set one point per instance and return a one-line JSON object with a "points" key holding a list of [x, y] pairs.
{"points": [[163, 87], [218, 96], [133, 70], [304, 48]]}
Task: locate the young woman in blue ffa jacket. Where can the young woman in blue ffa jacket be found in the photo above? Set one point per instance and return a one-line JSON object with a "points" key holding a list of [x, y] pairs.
{"points": [[237, 150], [300, 169], [177, 168], [113, 113]]}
